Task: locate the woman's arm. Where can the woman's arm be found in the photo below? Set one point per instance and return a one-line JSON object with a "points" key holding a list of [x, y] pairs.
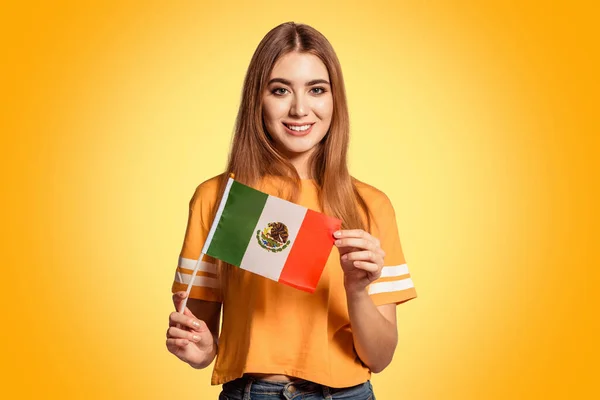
{"points": [[373, 327], [374, 330]]}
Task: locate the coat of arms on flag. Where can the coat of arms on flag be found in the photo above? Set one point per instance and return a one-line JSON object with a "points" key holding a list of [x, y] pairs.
{"points": [[274, 237], [270, 236]]}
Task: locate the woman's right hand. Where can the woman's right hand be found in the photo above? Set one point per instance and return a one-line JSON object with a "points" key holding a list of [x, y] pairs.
{"points": [[188, 337]]}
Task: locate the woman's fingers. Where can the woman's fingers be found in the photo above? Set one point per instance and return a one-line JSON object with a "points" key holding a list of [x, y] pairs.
{"points": [[176, 333], [359, 243], [366, 266], [175, 344], [178, 298], [189, 328], [188, 321], [357, 233], [365, 255]]}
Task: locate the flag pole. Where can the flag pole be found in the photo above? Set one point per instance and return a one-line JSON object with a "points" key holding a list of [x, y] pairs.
{"points": [[189, 288], [198, 262]]}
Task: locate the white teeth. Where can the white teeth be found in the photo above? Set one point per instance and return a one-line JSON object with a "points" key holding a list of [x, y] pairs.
{"points": [[298, 128]]}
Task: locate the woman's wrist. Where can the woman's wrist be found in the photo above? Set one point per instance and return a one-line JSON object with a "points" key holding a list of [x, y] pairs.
{"points": [[354, 290]]}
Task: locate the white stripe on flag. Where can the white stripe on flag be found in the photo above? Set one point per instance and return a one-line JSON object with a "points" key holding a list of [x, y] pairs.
{"points": [[264, 262], [211, 233], [395, 270], [189, 263], [391, 286], [204, 281]]}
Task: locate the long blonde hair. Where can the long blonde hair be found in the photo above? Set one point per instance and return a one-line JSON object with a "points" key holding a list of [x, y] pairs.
{"points": [[253, 154]]}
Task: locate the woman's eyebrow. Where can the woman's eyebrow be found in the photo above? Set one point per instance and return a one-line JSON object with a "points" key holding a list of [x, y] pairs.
{"points": [[309, 83]]}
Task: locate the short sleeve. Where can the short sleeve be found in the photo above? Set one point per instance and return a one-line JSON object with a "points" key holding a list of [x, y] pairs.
{"points": [[395, 284], [205, 285]]}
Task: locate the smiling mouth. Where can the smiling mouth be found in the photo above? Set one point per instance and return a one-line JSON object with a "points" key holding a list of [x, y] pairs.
{"points": [[298, 129]]}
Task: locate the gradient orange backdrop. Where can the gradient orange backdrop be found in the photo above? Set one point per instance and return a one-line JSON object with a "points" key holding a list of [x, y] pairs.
{"points": [[474, 117]]}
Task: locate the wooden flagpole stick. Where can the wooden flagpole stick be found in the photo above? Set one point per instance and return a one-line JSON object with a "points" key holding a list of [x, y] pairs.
{"points": [[189, 288]]}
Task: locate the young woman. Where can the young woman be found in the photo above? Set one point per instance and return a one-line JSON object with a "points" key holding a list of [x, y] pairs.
{"points": [[291, 140]]}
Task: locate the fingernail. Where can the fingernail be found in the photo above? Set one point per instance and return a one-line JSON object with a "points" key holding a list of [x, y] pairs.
{"points": [[344, 257], [196, 338], [338, 242], [196, 324], [337, 234]]}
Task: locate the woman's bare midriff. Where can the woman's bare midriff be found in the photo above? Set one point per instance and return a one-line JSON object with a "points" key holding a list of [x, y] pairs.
{"points": [[269, 377]]}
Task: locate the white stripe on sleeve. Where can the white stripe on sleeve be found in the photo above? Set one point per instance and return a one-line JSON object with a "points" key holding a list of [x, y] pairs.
{"points": [[189, 263], [203, 281], [391, 286], [394, 270]]}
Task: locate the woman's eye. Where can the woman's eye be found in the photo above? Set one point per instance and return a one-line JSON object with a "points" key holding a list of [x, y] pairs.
{"points": [[276, 91], [322, 90]]}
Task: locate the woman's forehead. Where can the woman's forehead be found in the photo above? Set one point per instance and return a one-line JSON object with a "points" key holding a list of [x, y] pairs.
{"points": [[299, 68]]}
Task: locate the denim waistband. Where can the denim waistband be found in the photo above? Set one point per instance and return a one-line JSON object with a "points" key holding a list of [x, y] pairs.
{"points": [[265, 385], [249, 385]]}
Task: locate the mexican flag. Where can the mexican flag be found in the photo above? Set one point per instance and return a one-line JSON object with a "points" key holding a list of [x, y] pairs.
{"points": [[271, 237]]}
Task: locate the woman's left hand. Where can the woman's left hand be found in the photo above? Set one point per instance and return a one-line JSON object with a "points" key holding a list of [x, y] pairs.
{"points": [[361, 257]]}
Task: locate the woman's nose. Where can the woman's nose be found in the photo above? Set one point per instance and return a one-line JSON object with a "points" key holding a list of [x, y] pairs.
{"points": [[299, 106]]}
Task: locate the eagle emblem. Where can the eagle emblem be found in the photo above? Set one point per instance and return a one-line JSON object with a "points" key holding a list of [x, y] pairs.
{"points": [[274, 238]]}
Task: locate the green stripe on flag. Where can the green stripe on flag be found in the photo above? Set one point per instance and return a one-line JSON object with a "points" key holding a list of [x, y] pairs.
{"points": [[236, 227]]}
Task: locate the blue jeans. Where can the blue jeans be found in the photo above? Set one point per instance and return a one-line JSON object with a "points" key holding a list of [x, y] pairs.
{"points": [[249, 388]]}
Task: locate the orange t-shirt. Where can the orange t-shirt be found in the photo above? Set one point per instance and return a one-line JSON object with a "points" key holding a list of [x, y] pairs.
{"points": [[272, 328]]}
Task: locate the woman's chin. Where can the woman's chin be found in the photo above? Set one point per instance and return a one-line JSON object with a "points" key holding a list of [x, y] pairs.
{"points": [[295, 149]]}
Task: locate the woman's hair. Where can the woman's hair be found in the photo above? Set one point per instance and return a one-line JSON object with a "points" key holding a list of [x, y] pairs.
{"points": [[253, 154]]}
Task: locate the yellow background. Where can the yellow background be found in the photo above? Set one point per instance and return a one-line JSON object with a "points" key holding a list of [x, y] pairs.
{"points": [[474, 117]]}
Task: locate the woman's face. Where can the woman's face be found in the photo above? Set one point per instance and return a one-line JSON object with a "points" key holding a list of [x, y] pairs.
{"points": [[298, 104]]}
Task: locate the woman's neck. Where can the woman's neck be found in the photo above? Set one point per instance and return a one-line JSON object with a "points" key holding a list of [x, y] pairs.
{"points": [[301, 161]]}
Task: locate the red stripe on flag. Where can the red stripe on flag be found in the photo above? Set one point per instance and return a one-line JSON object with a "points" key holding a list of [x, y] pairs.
{"points": [[310, 251]]}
